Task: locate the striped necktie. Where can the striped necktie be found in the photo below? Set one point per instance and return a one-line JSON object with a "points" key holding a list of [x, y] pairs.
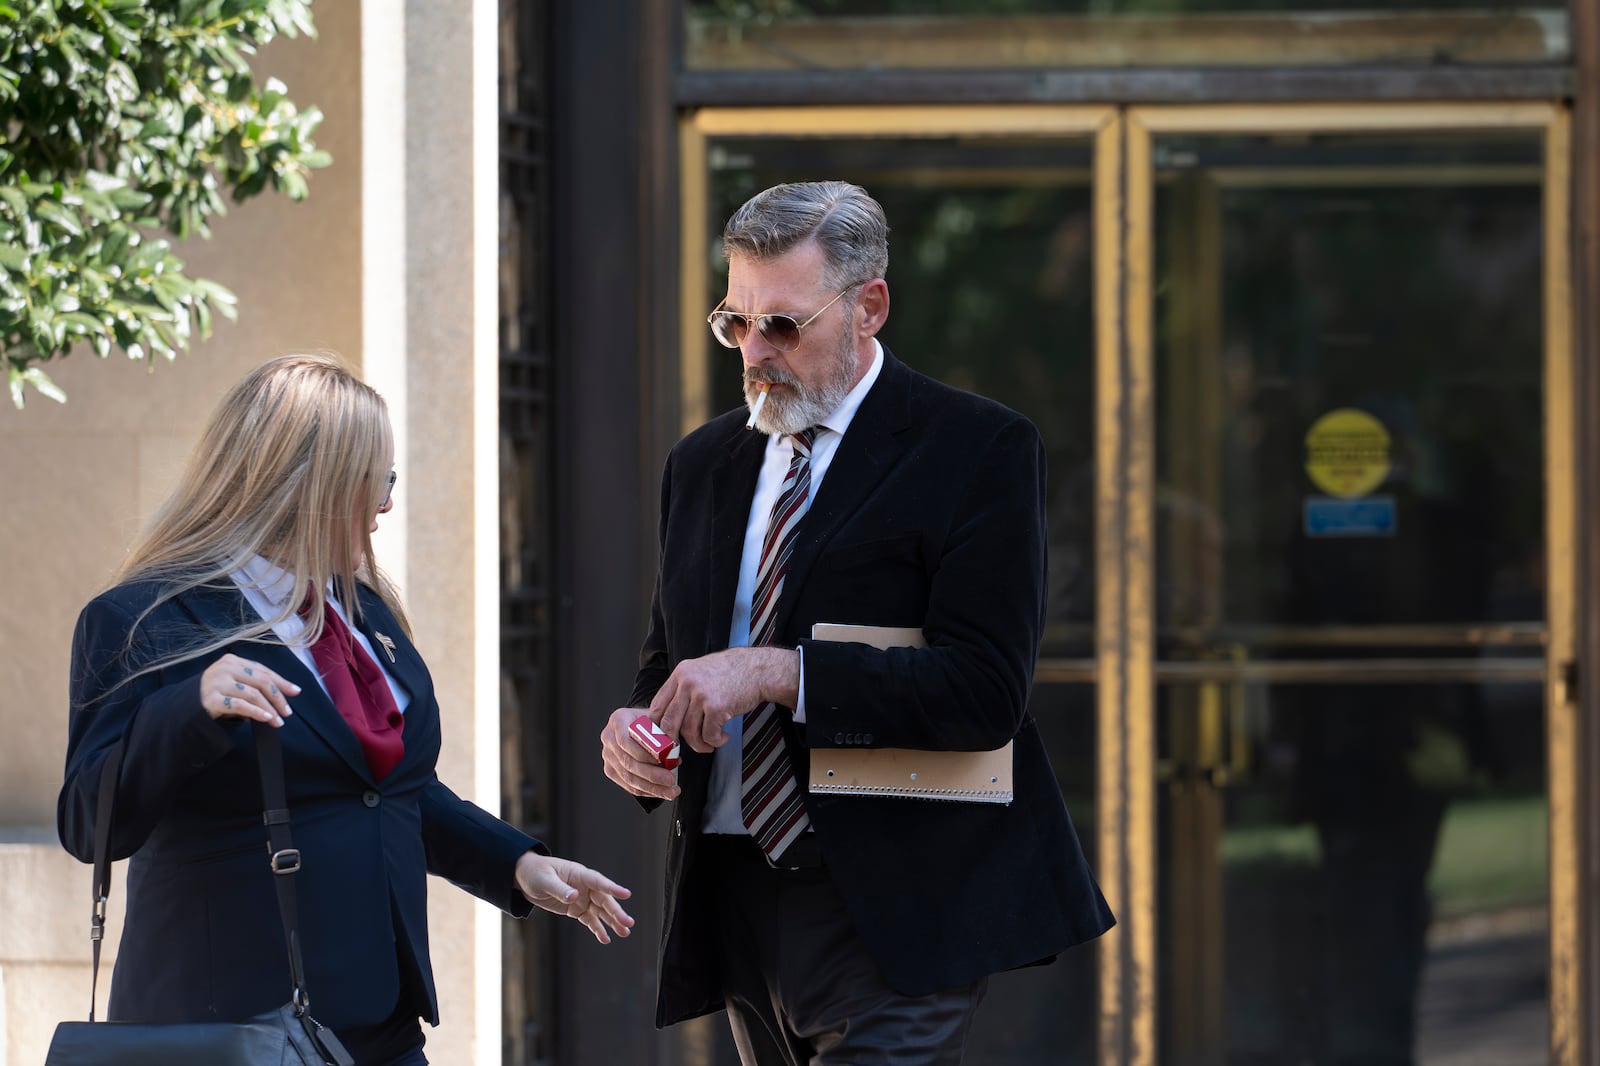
{"points": [[769, 794]]}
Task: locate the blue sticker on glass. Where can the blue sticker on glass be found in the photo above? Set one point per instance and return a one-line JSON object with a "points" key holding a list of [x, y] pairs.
{"points": [[1364, 516]]}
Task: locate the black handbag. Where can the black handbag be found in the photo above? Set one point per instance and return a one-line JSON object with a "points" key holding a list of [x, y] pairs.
{"points": [[288, 1036]]}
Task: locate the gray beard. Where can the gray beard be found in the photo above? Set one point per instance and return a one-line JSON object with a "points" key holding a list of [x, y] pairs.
{"points": [[800, 406]]}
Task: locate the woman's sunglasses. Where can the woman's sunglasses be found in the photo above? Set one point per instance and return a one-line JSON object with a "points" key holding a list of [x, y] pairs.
{"points": [[781, 331]]}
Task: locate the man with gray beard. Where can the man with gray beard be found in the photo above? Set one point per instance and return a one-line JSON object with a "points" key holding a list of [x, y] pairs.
{"points": [[844, 929]]}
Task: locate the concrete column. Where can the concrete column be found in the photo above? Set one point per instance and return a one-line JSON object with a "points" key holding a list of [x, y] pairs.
{"points": [[450, 424]]}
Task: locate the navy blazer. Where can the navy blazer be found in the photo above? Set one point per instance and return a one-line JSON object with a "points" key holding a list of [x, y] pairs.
{"points": [[202, 939], [931, 516]]}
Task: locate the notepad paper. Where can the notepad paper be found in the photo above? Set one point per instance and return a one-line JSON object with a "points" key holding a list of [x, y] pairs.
{"points": [[960, 776]]}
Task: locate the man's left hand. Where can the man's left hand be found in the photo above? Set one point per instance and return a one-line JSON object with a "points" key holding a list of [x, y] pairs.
{"points": [[702, 695]]}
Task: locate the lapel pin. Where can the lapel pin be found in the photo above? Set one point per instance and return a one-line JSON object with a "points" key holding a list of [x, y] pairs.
{"points": [[388, 644]]}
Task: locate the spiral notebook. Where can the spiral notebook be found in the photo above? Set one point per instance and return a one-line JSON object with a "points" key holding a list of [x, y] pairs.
{"points": [[958, 776]]}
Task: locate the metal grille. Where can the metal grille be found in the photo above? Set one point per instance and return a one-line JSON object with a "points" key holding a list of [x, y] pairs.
{"points": [[527, 728]]}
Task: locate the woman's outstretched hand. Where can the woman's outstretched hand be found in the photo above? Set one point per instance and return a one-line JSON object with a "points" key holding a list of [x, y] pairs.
{"points": [[562, 886]]}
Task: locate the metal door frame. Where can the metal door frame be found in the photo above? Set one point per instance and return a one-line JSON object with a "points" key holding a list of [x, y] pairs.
{"points": [[1128, 663], [1118, 810]]}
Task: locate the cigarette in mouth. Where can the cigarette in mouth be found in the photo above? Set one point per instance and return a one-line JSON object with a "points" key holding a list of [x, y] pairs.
{"points": [[756, 409]]}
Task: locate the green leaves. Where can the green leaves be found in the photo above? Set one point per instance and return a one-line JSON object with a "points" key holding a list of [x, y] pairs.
{"points": [[121, 119], [76, 266], [18, 377]]}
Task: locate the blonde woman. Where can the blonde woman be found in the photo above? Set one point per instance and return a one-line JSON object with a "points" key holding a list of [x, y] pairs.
{"points": [[253, 597]]}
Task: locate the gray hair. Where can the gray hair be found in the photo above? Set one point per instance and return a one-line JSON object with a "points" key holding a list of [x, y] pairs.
{"points": [[847, 224]]}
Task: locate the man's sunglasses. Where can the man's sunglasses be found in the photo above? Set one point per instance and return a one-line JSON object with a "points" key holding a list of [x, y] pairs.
{"points": [[781, 331]]}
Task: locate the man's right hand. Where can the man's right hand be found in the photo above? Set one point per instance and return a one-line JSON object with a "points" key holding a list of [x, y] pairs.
{"points": [[629, 764]]}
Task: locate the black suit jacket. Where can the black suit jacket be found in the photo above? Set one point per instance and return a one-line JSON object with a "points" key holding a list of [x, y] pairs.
{"points": [[931, 515], [202, 939]]}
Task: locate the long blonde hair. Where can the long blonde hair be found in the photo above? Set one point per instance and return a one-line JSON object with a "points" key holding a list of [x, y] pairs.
{"points": [[292, 467]]}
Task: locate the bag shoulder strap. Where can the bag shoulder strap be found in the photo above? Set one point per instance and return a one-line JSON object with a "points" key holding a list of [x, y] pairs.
{"points": [[283, 857], [102, 863]]}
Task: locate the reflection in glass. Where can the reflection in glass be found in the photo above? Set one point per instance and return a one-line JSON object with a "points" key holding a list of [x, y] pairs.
{"points": [[787, 35], [1305, 277], [1349, 469], [1046, 1016], [991, 290], [1353, 875]]}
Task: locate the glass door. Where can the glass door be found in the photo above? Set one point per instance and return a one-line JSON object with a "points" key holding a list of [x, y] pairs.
{"points": [[1358, 474], [994, 256], [1305, 375]]}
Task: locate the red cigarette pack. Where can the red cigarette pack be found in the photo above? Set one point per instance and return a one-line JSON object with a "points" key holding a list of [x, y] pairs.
{"points": [[651, 737]]}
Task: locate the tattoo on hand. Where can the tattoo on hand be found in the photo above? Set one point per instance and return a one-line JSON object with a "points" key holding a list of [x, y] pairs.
{"points": [[227, 703]]}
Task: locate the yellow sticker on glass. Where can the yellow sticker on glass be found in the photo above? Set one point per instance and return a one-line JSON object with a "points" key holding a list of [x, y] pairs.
{"points": [[1347, 452]]}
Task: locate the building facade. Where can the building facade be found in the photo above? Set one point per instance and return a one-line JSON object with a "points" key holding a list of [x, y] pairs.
{"points": [[1302, 297]]}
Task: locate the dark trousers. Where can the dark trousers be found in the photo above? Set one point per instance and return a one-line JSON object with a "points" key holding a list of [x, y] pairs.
{"points": [[396, 1041], [800, 987]]}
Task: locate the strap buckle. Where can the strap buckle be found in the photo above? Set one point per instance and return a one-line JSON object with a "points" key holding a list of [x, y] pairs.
{"points": [[285, 861], [97, 924]]}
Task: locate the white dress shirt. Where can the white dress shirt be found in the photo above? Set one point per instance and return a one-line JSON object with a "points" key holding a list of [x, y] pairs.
{"points": [[268, 587], [722, 813]]}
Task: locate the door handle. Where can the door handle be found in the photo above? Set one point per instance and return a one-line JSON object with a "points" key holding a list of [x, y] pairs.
{"points": [[1567, 683]]}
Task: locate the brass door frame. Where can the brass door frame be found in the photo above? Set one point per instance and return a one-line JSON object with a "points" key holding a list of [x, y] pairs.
{"points": [[1134, 553], [1127, 972]]}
